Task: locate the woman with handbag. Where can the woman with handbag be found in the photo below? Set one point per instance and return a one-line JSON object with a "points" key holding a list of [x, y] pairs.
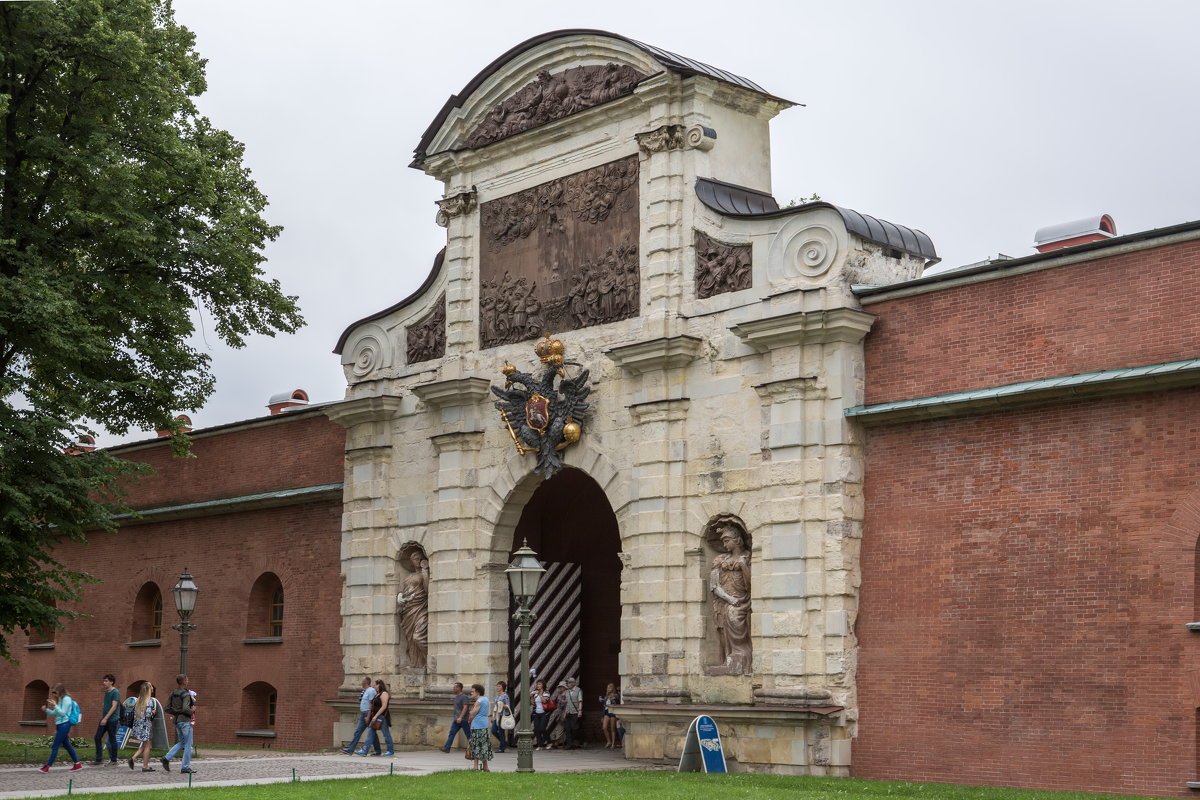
{"points": [[542, 706], [501, 707], [381, 722]]}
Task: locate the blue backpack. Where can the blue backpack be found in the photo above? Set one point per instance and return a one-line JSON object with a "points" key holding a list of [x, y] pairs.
{"points": [[76, 714]]}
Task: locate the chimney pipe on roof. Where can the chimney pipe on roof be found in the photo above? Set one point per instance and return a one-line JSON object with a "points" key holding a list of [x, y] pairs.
{"points": [[1069, 234], [184, 427], [86, 443], [285, 400]]}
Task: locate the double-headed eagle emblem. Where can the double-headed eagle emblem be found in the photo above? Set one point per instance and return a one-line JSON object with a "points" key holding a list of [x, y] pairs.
{"points": [[543, 418]]}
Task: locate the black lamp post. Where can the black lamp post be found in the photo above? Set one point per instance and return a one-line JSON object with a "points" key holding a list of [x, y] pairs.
{"points": [[524, 574], [185, 603]]}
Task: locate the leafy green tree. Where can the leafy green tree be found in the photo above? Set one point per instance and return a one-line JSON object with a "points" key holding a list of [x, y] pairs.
{"points": [[123, 215]]}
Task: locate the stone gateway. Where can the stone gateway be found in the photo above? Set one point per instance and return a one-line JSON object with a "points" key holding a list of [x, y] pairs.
{"points": [[611, 201]]}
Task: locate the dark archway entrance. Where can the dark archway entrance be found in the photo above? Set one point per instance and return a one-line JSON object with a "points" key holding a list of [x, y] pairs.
{"points": [[571, 525]]}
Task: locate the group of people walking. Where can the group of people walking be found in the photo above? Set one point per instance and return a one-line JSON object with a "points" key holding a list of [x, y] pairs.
{"points": [[137, 715], [375, 718], [557, 719]]}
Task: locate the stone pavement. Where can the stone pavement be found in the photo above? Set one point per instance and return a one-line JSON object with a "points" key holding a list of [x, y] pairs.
{"points": [[236, 768]]}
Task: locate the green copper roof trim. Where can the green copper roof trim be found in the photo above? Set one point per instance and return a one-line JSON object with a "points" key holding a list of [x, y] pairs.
{"points": [[1086, 385], [228, 505]]}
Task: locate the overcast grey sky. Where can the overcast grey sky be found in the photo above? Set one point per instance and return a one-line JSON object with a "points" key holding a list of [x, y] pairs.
{"points": [[977, 123]]}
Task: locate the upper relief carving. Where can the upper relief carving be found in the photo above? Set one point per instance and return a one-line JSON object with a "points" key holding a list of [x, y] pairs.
{"points": [[427, 338], [560, 256], [552, 97], [721, 267]]}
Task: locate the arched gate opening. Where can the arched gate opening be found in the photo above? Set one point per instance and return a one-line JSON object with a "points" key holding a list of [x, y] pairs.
{"points": [[569, 523]]}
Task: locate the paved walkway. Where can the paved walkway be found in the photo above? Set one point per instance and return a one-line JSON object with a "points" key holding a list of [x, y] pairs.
{"points": [[226, 769]]}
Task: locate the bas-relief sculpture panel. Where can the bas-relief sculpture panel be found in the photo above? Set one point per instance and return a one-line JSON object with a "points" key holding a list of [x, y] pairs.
{"points": [[426, 339], [720, 267], [560, 256], [552, 97]]}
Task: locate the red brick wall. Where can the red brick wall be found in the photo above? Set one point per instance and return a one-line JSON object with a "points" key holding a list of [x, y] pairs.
{"points": [[1027, 574], [287, 454], [1121, 311], [225, 553], [1026, 579]]}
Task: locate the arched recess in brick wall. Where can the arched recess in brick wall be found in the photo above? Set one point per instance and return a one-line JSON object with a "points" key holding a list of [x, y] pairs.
{"points": [[146, 622], [259, 703], [36, 693], [264, 614]]}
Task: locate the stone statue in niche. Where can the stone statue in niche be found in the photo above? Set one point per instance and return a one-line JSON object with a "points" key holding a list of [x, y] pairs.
{"points": [[721, 268], [561, 255], [427, 338], [412, 605], [552, 97], [729, 592]]}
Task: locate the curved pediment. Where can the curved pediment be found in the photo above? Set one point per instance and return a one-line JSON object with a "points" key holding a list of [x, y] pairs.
{"points": [[550, 77]]}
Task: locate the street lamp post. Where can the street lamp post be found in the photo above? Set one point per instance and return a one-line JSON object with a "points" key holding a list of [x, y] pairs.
{"points": [[185, 603], [524, 574]]}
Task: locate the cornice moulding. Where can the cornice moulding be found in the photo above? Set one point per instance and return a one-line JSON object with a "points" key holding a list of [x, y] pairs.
{"points": [[454, 392], [378, 408], [667, 352], [805, 327]]}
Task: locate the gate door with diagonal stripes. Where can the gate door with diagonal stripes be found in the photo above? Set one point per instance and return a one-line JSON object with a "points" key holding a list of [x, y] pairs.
{"points": [[554, 638], [570, 524]]}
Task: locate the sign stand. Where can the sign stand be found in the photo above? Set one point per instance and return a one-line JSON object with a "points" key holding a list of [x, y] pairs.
{"points": [[702, 751]]}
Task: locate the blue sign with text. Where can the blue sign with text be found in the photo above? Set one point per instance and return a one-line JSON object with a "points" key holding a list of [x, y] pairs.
{"points": [[702, 750]]}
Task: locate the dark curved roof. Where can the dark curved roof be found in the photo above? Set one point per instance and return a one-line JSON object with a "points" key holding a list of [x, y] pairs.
{"points": [[424, 287], [677, 63], [739, 201]]}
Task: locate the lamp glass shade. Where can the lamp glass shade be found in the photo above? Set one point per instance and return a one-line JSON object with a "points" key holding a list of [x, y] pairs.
{"points": [[525, 572], [185, 594]]}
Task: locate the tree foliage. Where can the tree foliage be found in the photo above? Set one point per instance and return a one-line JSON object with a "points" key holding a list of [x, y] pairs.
{"points": [[123, 215]]}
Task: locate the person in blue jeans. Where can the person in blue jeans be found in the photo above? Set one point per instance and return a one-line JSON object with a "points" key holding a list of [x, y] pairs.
{"points": [[380, 712], [107, 726], [365, 697], [501, 702], [59, 706], [181, 705], [461, 704]]}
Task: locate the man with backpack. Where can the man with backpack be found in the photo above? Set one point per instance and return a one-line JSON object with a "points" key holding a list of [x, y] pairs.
{"points": [[181, 705]]}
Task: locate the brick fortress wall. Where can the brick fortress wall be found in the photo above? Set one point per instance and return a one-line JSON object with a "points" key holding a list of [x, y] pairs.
{"points": [[1027, 574], [226, 553]]}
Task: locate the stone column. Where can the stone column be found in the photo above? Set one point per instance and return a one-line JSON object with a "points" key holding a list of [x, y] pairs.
{"points": [[368, 627]]}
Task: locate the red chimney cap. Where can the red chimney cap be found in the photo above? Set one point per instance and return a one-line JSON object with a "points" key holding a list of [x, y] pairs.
{"points": [[1080, 231]]}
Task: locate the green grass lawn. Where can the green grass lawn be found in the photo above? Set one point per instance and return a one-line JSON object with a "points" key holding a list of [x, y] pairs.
{"points": [[596, 785]]}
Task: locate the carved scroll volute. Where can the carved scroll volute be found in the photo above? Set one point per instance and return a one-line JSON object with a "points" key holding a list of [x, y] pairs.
{"points": [[455, 205]]}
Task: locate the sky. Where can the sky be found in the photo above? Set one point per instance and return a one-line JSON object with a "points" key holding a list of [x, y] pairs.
{"points": [[976, 123]]}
